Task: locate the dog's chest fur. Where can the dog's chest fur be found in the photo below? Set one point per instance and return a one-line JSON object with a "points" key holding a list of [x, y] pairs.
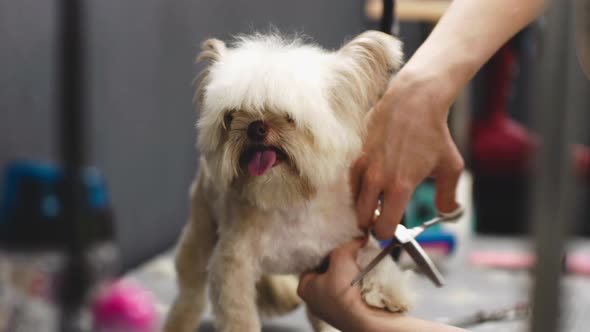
{"points": [[297, 238]]}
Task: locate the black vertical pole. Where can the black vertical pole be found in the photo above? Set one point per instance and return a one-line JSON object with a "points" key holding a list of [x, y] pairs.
{"points": [[386, 25], [71, 140], [71, 93], [387, 18]]}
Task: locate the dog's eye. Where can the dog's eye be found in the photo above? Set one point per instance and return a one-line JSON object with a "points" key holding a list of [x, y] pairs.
{"points": [[227, 119], [290, 118]]}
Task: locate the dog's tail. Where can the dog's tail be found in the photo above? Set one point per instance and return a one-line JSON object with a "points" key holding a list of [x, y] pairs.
{"points": [[277, 294]]}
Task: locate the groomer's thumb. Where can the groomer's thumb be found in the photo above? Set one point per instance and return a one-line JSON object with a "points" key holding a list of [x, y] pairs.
{"points": [[350, 248], [306, 283], [446, 179]]}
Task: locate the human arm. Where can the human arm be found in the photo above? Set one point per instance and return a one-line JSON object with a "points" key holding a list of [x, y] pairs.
{"points": [[408, 137], [330, 296]]}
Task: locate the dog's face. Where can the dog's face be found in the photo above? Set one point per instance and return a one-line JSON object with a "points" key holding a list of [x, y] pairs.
{"points": [[280, 119]]}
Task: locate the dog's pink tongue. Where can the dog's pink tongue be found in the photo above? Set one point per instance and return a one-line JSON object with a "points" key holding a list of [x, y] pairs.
{"points": [[261, 162]]}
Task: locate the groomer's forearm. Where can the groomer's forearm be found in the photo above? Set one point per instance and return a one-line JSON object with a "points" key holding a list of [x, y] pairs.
{"points": [[469, 33]]}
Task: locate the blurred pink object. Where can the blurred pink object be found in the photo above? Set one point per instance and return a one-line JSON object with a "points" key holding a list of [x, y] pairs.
{"points": [[503, 260], [124, 306], [576, 263], [579, 264]]}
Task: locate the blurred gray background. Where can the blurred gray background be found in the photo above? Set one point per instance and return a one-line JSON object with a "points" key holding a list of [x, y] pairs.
{"points": [[141, 68]]}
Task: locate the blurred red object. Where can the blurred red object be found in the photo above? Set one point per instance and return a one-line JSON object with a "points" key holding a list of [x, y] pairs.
{"points": [[581, 161], [500, 145]]}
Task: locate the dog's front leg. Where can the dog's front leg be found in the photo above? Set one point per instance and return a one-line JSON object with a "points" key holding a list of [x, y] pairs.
{"points": [[194, 249], [233, 275]]}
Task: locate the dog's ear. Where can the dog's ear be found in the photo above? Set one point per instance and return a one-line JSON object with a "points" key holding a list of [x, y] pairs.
{"points": [[367, 64], [212, 51]]}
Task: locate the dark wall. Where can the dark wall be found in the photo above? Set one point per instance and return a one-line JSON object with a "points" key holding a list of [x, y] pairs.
{"points": [[141, 55], [26, 85]]}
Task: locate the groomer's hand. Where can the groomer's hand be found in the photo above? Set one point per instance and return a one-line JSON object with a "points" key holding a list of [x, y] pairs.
{"points": [[408, 140], [329, 295]]}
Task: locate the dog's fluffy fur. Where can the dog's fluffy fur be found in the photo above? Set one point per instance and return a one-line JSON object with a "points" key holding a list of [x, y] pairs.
{"points": [[246, 230]]}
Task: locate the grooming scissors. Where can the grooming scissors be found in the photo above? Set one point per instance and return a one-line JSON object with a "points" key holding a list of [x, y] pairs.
{"points": [[406, 238]]}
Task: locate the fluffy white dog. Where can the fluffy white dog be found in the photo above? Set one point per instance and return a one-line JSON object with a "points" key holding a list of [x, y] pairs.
{"points": [[280, 123]]}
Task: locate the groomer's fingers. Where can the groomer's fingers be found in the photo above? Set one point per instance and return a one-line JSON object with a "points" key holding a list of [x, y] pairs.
{"points": [[355, 176], [395, 200], [368, 197], [447, 178], [349, 249]]}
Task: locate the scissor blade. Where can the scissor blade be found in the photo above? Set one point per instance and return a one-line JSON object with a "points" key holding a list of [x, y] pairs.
{"points": [[385, 252], [424, 262]]}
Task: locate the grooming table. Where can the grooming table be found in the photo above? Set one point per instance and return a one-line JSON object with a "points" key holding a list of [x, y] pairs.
{"points": [[468, 289]]}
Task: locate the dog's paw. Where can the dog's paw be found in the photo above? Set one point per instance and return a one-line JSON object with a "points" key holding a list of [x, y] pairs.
{"points": [[385, 297], [386, 286], [277, 294]]}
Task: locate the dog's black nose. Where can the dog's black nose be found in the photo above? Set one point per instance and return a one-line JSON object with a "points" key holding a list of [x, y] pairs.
{"points": [[257, 131]]}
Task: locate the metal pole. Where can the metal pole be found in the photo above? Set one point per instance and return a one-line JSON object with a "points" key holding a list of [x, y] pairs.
{"points": [[71, 138], [552, 190], [388, 17]]}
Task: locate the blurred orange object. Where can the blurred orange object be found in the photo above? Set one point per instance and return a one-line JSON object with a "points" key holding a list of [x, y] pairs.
{"points": [[410, 10]]}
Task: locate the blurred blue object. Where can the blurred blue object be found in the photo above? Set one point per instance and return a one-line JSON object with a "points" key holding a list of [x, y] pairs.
{"points": [[31, 205], [421, 206], [420, 209], [14, 175]]}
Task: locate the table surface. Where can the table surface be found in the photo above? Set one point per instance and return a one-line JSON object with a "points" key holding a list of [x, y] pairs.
{"points": [[468, 289]]}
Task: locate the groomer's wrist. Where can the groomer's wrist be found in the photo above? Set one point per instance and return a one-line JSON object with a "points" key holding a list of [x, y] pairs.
{"points": [[449, 64], [376, 320], [366, 319], [433, 91], [447, 78], [358, 318]]}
